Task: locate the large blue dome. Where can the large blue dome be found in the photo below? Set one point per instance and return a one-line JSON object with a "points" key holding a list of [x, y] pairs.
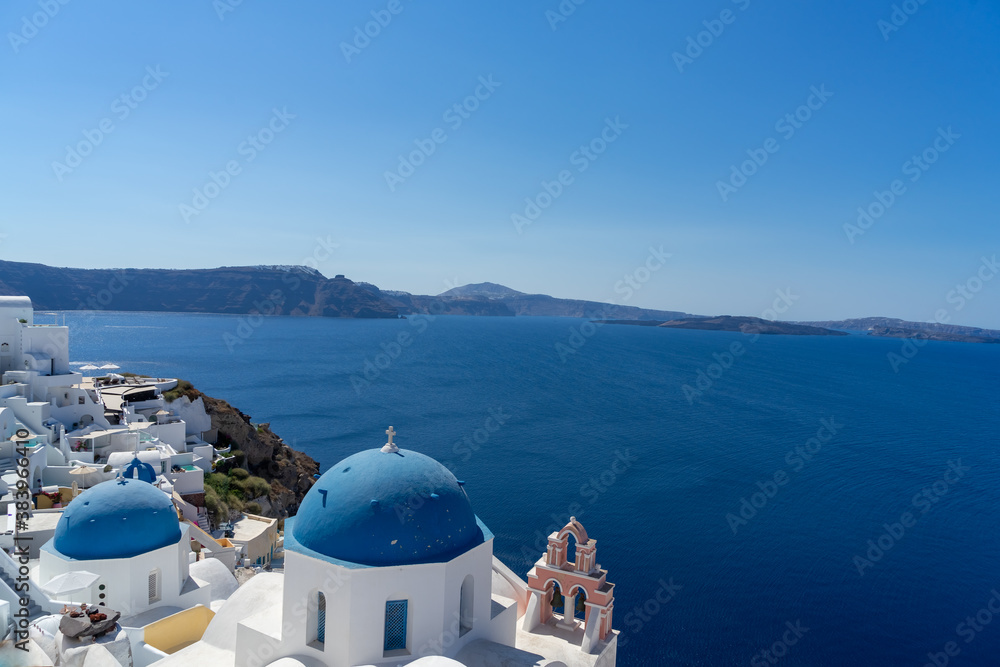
{"points": [[117, 519], [387, 508]]}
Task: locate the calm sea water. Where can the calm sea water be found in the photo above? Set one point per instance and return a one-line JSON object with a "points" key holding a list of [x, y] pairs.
{"points": [[660, 514]]}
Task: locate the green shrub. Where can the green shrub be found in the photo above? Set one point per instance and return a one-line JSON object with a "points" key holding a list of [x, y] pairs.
{"points": [[218, 510], [235, 504], [218, 482], [255, 487], [239, 473], [254, 508]]}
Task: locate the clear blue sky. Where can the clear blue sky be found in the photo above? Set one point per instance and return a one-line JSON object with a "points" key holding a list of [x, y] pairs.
{"points": [[324, 174]]}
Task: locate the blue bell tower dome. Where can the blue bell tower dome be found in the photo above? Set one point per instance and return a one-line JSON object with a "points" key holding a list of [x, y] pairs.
{"points": [[139, 470]]}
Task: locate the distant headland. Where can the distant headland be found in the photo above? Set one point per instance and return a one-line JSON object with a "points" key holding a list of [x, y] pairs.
{"points": [[304, 291], [278, 290]]}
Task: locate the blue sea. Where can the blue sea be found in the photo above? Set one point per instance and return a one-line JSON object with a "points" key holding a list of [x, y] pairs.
{"points": [[794, 495]]}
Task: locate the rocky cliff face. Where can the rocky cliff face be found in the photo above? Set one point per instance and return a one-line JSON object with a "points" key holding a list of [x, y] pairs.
{"points": [[280, 290], [268, 290], [289, 472]]}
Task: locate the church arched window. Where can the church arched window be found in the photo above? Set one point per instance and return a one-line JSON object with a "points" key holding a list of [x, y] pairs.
{"points": [[320, 618], [316, 620], [465, 605]]}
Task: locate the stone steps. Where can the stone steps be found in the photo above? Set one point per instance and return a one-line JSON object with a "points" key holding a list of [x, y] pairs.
{"points": [[34, 610]]}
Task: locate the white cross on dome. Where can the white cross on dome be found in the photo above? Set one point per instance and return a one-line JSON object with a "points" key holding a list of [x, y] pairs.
{"points": [[390, 447]]}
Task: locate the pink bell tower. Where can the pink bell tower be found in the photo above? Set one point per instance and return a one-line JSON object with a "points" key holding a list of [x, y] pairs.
{"points": [[581, 577]]}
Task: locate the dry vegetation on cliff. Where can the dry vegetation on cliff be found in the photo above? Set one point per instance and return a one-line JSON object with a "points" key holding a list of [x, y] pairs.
{"points": [[264, 475]]}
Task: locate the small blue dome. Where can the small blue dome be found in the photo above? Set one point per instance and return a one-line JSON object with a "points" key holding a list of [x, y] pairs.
{"points": [[139, 470], [387, 508], [117, 519]]}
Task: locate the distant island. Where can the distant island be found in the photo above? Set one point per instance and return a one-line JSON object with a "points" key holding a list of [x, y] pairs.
{"points": [[895, 328], [893, 332], [305, 292], [747, 325]]}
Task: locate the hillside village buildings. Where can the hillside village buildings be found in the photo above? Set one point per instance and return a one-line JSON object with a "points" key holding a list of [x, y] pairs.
{"points": [[362, 575]]}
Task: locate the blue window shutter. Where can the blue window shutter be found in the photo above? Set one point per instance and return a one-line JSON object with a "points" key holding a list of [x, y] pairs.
{"points": [[321, 619], [395, 625]]}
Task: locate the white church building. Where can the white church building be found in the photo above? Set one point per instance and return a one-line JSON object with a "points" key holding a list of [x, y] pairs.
{"points": [[373, 578], [125, 534]]}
